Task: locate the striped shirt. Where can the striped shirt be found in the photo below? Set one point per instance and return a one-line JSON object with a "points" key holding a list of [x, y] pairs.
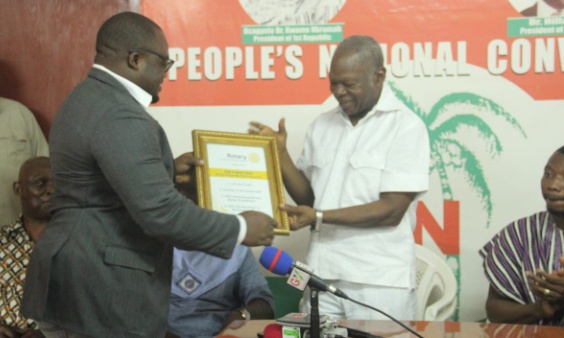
{"points": [[526, 245]]}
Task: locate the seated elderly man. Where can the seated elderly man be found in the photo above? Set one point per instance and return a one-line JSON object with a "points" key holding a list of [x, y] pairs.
{"points": [[17, 240], [524, 262], [209, 293]]}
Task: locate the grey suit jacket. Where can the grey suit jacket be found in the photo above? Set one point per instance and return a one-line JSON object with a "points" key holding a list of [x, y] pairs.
{"points": [[103, 266]]}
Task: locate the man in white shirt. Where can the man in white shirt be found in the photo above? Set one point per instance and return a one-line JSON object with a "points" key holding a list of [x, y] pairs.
{"points": [[357, 181]]}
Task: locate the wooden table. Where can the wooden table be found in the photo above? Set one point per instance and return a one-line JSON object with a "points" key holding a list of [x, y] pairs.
{"points": [[426, 329]]}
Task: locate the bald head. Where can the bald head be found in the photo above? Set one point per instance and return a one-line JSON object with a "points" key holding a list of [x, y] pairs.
{"points": [[363, 46], [122, 33], [33, 165]]}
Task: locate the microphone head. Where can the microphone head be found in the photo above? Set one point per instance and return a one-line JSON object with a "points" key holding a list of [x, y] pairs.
{"points": [[276, 261], [273, 331]]}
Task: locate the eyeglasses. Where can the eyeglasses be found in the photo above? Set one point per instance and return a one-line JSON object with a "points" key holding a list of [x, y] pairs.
{"points": [[167, 62]]}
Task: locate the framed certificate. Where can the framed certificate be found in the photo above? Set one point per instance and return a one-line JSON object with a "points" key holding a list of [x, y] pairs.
{"points": [[241, 172]]}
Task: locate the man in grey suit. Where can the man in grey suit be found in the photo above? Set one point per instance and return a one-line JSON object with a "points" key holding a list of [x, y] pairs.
{"points": [[103, 266]]}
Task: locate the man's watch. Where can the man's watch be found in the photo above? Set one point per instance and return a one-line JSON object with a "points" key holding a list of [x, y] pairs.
{"points": [[316, 227], [245, 314]]}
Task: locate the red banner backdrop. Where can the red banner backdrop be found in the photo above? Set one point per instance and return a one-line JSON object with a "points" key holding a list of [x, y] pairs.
{"points": [[214, 67]]}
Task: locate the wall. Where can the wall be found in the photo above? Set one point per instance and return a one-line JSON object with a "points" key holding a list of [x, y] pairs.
{"points": [[47, 47]]}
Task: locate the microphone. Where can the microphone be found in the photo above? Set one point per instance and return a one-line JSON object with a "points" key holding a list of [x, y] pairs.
{"points": [[281, 263]]}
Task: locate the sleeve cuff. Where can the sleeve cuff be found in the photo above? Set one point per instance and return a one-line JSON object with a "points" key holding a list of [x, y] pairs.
{"points": [[242, 229]]}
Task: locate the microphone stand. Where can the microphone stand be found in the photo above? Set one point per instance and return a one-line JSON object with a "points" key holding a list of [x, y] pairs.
{"points": [[314, 315]]}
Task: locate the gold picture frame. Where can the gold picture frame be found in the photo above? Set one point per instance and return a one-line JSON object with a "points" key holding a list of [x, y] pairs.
{"points": [[241, 172]]}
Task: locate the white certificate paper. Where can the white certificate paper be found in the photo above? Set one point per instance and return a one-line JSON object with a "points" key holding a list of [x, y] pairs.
{"points": [[238, 179]]}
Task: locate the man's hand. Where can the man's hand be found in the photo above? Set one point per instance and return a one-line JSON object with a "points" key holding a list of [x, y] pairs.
{"points": [[233, 321], [299, 216], [280, 136], [185, 175], [548, 286], [260, 228], [184, 168], [547, 309]]}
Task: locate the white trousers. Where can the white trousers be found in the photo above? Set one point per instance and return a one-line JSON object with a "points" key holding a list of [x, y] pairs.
{"points": [[399, 303]]}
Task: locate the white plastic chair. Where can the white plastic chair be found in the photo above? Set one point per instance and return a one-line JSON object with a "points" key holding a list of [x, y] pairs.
{"points": [[436, 286]]}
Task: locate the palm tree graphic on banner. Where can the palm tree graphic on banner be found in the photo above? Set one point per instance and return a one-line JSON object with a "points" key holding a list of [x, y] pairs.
{"points": [[448, 151]]}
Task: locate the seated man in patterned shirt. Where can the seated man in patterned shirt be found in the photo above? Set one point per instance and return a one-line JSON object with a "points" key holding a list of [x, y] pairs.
{"points": [[34, 189], [524, 263]]}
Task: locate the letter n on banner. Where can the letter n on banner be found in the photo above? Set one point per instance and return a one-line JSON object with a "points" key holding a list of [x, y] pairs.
{"points": [[446, 237]]}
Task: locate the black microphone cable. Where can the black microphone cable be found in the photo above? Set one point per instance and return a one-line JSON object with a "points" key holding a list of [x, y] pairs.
{"points": [[385, 314]]}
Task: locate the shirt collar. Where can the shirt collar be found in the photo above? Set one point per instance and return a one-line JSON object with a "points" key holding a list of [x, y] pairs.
{"points": [[137, 92]]}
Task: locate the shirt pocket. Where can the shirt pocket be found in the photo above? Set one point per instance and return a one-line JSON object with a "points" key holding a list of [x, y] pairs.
{"points": [[320, 160], [364, 178]]}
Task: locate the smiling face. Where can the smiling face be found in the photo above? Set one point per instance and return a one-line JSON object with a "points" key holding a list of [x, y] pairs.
{"points": [[356, 82], [552, 184]]}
